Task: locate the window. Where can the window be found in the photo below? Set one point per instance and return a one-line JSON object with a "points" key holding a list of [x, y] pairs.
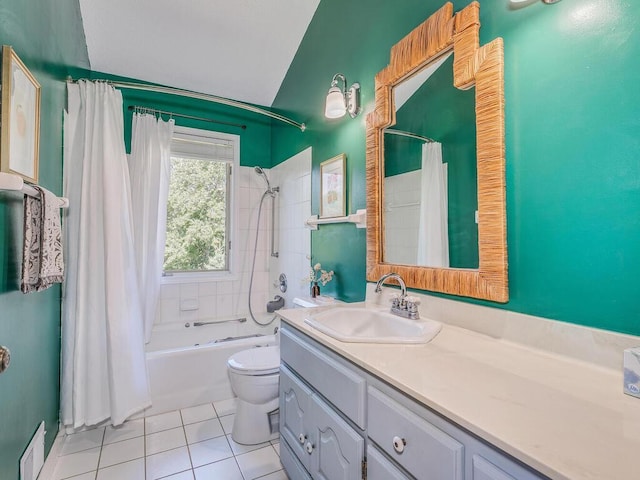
{"points": [[200, 204]]}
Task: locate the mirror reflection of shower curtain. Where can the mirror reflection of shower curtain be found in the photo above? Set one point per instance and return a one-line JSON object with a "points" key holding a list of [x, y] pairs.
{"points": [[433, 231]]}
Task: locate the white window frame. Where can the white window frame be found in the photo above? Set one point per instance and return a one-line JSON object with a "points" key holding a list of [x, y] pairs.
{"points": [[234, 211]]}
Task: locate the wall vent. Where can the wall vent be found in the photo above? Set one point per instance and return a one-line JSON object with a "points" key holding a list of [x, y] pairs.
{"points": [[33, 457]]}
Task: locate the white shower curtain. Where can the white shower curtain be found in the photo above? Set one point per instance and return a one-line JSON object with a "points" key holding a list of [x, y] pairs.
{"points": [[149, 170], [433, 231], [104, 375]]}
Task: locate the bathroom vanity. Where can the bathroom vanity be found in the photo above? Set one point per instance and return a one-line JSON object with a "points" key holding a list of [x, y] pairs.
{"points": [[340, 422], [463, 406]]}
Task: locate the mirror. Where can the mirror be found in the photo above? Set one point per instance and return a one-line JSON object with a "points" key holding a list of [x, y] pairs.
{"points": [[451, 253], [430, 183]]}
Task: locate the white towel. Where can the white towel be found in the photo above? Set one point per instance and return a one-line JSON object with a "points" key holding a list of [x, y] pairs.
{"points": [[42, 262]]}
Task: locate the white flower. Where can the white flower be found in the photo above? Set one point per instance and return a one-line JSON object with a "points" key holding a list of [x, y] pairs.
{"points": [[317, 275]]}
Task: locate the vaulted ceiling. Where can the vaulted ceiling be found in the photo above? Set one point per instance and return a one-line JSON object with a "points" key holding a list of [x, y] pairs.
{"points": [[239, 49]]}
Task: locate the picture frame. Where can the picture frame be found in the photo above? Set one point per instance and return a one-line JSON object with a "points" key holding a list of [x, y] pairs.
{"points": [[20, 126], [332, 187]]}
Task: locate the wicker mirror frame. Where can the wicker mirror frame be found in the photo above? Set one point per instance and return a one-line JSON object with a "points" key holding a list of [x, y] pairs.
{"points": [[482, 67]]}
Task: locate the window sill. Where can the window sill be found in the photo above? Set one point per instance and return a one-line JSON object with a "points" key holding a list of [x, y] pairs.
{"points": [[197, 277]]}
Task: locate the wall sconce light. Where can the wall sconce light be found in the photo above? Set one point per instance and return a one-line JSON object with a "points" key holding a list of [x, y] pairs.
{"points": [[340, 100]]}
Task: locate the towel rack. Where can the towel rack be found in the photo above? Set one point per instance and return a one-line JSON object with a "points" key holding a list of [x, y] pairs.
{"points": [[8, 181]]}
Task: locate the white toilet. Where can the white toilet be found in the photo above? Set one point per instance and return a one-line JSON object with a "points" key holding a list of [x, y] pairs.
{"points": [[254, 376]]}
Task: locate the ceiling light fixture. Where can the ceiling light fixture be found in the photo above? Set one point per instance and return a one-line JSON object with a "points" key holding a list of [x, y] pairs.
{"points": [[340, 100]]}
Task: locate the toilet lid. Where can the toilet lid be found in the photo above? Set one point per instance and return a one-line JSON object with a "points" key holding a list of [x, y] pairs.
{"points": [[259, 360]]}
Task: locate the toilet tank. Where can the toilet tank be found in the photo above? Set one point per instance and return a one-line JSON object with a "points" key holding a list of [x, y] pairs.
{"points": [[309, 302]]}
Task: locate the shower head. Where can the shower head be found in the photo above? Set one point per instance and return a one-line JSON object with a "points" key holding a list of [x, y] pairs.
{"points": [[262, 173]]}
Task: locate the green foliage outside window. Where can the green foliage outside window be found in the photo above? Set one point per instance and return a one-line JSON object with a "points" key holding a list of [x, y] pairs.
{"points": [[196, 216]]}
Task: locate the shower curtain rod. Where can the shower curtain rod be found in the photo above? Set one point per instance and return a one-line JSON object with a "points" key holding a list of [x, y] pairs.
{"points": [[402, 133], [200, 96], [182, 115]]}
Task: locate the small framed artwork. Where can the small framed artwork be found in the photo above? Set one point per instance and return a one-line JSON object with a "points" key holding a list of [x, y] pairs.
{"points": [[20, 125], [332, 187]]}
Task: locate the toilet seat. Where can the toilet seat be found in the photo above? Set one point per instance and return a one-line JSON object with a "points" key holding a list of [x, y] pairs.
{"points": [[256, 361]]}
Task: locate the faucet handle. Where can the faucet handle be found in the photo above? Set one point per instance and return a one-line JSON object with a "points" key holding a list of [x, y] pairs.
{"points": [[412, 304], [394, 299]]}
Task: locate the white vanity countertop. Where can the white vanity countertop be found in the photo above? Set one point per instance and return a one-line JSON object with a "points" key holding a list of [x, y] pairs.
{"points": [[565, 418]]}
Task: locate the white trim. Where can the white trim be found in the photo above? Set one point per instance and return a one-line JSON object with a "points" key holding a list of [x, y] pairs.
{"points": [[49, 467], [234, 218]]}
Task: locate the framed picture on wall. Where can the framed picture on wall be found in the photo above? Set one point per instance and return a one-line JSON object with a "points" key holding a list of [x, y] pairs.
{"points": [[332, 187], [20, 125]]}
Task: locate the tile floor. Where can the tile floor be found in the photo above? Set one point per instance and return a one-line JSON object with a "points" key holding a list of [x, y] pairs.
{"points": [[189, 444]]}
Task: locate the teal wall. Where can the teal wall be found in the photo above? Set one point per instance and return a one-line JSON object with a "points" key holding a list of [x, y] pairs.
{"points": [[48, 37], [440, 111], [572, 145]]}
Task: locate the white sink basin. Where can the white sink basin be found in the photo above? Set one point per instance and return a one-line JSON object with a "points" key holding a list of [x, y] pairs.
{"points": [[363, 325]]}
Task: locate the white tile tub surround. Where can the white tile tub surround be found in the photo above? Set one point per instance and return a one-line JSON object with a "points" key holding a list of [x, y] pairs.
{"points": [[228, 297], [601, 348], [402, 214], [293, 239]]}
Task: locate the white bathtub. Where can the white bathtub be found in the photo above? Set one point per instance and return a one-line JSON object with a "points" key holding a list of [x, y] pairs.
{"points": [[187, 369]]}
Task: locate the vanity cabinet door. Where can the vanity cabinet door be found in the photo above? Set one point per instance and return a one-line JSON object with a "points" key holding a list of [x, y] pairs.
{"points": [[420, 447], [379, 468], [291, 463], [337, 450], [295, 414], [487, 463], [484, 470]]}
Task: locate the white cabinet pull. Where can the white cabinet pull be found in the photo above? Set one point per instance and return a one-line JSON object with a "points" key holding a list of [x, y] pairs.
{"points": [[399, 444], [302, 438], [309, 447]]}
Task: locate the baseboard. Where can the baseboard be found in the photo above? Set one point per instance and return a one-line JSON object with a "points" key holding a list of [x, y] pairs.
{"points": [[49, 467]]}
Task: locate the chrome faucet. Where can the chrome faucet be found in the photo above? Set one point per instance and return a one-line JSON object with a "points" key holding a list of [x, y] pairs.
{"points": [[402, 305]]}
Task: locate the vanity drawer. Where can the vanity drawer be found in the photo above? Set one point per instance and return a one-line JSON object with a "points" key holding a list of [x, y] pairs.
{"points": [[423, 450], [344, 388]]}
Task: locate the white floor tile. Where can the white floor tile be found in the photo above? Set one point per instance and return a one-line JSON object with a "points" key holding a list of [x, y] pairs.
{"points": [[126, 431], [227, 423], [276, 446], [198, 414], [188, 475], [82, 441], [168, 463], [198, 432], [259, 462], [239, 449], [279, 475], [225, 407], [120, 452], [224, 469], [164, 421], [133, 470], [85, 476], [210, 451], [165, 440], [77, 463]]}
